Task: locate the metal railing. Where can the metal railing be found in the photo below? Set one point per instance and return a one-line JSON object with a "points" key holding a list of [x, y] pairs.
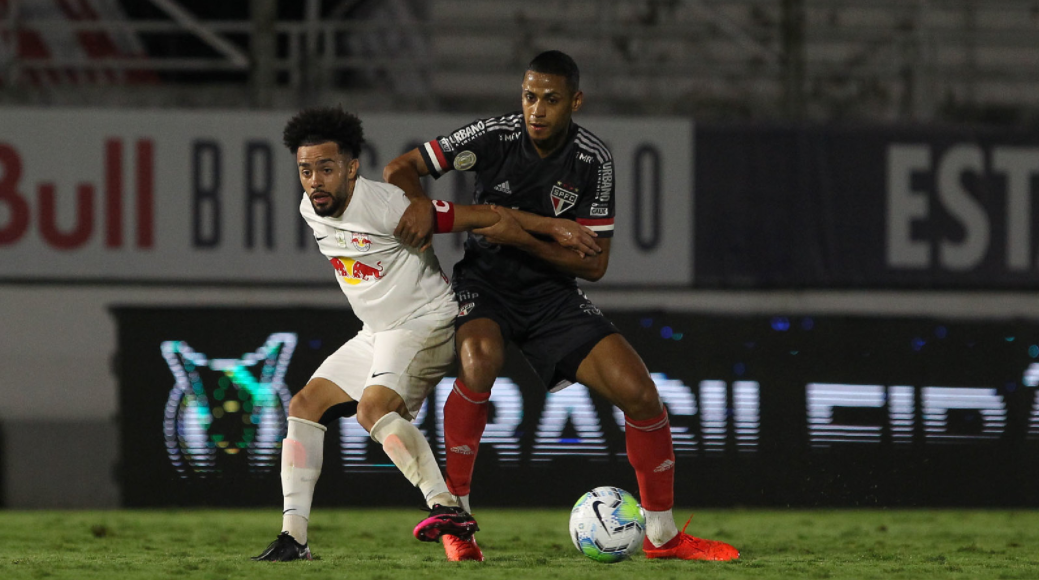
{"points": [[893, 59]]}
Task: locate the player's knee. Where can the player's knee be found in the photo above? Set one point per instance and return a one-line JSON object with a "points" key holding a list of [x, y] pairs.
{"points": [[480, 361], [370, 411], [376, 402], [477, 379], [478, 373], [367, 416], [641, 403], [304, 406]]}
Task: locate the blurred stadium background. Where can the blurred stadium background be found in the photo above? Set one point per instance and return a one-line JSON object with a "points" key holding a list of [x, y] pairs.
{"points": [[825, 249]]}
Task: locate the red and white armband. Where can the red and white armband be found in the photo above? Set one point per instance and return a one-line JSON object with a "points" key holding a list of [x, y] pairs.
{"points": [[445, 216]]}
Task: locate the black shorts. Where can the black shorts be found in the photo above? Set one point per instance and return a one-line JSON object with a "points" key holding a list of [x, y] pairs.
{"points": [[554, 332]]}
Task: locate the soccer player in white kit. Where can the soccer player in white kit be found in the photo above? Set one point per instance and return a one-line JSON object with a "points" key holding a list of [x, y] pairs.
{"points": [[406, 344]]}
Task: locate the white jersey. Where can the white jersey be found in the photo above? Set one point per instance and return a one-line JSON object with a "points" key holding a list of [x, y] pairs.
{"points": [[386, 282]]}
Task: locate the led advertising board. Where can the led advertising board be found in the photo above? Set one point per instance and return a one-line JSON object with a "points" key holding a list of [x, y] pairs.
{"points": [[765, 410]]}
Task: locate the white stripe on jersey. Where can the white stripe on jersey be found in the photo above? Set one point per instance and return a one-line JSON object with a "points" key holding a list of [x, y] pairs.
{"points": [[504, 123], [515, 121], [510, 119], [589, 143], [433, 157], [595, 152], [593, 141], [501, 128], [602, 228]]}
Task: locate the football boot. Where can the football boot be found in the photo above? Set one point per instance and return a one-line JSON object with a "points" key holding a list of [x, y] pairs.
{"points": [[460, 549], [444, 519], [686, 547], [284, 548]]}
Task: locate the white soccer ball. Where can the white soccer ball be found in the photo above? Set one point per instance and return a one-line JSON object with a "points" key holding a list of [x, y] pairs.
{"points": [[607, 524]]}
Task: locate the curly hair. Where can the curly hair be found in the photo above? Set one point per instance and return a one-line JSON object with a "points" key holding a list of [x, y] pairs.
{"points": [[322, 124]]}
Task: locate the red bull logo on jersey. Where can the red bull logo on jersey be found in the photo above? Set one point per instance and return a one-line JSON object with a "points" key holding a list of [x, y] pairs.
{"points": [[361, 241], [354, 272]]}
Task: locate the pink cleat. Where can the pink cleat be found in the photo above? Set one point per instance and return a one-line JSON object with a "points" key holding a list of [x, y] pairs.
{"points": [[442, 520]]}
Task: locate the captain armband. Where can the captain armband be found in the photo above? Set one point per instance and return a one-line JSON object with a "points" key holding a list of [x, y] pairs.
{"points": [[445, 216]]}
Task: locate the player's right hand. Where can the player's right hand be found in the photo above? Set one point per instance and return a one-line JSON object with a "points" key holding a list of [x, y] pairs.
{"points": [[415, 227]]}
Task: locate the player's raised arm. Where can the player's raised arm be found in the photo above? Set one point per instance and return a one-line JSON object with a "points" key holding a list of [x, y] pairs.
{"points": [[567, 233], [416, 225]]}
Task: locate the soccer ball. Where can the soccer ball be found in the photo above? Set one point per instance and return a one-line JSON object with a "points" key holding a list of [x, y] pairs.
{"points": [[607, 524]]}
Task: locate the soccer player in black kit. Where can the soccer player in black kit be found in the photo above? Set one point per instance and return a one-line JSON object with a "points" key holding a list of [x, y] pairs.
{"points": [[512, 286]]}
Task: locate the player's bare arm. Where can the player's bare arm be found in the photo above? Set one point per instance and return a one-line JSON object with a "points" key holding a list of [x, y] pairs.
{"points": [[567, 233], [416, 225], [507, 231]]}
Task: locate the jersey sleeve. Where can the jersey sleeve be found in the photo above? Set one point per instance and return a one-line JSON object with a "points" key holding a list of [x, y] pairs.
{"points": [[396, 204], [595, 208], [463, 149]]}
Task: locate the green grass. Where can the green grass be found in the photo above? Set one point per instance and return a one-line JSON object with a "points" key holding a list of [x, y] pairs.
{"points": [[376, 544]]}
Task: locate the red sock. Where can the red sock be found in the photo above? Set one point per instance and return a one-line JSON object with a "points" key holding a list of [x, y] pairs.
{"points": [[651, 454], [465, 416]]}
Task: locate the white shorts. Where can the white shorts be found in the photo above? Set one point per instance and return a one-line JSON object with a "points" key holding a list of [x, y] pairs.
{"points": [[410, 360]]}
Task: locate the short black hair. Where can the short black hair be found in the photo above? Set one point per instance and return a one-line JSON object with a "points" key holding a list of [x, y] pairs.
{"points": [[554, 62], [322, 124]]}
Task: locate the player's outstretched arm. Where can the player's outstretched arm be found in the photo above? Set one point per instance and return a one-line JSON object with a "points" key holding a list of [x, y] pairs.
{"points": [[507, 231], [415, 227], [567, 233]]}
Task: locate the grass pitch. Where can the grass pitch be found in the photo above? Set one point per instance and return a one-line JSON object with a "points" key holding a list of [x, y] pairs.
{"points": [[377, 544]]}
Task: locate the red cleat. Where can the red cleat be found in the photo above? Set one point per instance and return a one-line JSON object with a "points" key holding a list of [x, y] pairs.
{"points": [[686, 547], [461, 549]]}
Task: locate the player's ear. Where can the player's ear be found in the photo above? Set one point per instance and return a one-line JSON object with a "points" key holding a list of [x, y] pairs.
{"points": [[352, 167], [577, 102]]}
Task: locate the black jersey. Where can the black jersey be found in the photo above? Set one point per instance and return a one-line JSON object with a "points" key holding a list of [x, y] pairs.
{"points": [[574, 182]]}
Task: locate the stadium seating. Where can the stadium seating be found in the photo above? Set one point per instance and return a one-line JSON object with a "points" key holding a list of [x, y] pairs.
{"points": [[816, 59]]}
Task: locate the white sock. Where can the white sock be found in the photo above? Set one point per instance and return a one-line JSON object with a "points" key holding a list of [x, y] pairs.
{"points": [[660, 527], [301, 459], [410, 452], [443, 499], [463, 500]]}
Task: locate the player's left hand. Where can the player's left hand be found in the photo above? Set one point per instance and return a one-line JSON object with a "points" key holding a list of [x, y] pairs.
{"points": [[415, 227], [507, 231], [573, 236]]}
